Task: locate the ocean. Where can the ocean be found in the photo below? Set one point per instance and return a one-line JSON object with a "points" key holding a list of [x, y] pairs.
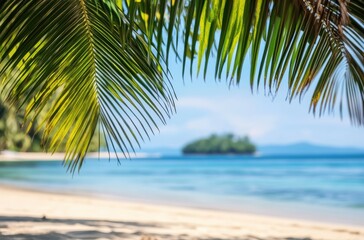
{"points": [[322, 187]]}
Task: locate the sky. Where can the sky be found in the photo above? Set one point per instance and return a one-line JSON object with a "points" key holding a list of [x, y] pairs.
{"points": [[207, 107]]}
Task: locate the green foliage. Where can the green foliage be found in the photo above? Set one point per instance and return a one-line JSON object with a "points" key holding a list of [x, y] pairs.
{"points": [[105, 62], [11, 136], [14, 137], [224, 144]]}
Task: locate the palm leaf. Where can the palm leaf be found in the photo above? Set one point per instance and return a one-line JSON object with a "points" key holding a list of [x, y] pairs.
{"points": [[304, 42], [98, 66], [107, 60]]}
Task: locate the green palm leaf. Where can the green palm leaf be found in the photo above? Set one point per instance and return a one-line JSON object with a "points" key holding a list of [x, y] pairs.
{"points": [[100, 69], [107, 60], [304, 42]]}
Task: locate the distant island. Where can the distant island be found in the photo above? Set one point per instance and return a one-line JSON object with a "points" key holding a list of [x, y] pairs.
{"points": [[220, 144]]}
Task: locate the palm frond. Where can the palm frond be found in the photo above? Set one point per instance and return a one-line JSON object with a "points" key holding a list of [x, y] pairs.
{"points": [[316, 43], [88, 55], [106, 61]]}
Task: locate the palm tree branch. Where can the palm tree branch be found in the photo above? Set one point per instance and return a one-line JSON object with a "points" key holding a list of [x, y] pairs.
{"points": [[304, 42], [100, 69]]}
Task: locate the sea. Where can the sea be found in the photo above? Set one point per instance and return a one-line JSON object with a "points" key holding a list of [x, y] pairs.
{"points": [[326, 188]]}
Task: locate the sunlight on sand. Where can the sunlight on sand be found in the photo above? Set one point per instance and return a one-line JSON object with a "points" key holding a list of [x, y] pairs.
{"points": [[36, 215]]}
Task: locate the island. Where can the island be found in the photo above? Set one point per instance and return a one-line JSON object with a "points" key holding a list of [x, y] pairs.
{"points": [[221, 144]]}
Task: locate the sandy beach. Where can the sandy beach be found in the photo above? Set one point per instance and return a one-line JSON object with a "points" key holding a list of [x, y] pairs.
{"points": [[10, 156], [26, 214]]}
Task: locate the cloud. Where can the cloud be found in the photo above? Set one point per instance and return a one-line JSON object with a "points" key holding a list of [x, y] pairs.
{"points": [[169, 129], [200, 125], [265, 122], [225, 115]]}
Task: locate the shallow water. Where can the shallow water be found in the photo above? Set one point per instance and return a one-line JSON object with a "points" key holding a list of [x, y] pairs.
{"points": [[301, 184]]}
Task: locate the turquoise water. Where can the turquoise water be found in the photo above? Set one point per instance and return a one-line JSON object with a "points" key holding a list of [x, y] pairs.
{"points": [[219, 182]]}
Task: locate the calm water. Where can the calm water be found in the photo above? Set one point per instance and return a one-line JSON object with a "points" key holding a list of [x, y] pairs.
{"points": [[220, 182]]}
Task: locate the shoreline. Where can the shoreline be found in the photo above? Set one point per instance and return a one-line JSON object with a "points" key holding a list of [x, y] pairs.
{"points": [[10, 156], [21, 212], [299, 210]]}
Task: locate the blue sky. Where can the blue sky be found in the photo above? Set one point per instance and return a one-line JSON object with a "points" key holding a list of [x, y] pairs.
{"points": [[206, 107]]}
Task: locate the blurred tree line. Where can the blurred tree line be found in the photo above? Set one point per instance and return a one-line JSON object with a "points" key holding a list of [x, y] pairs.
{"points": [[223, 144], [14, 137]]}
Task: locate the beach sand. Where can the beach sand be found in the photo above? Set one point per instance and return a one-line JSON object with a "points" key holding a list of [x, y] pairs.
{"points": [[10, 156], [26, 214]]}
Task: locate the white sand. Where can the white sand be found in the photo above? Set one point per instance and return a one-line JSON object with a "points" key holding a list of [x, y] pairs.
{"points": [[10, 156], [75, 217]]}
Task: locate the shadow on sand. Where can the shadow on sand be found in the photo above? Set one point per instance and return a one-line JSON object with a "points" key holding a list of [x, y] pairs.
{"points": [[96, 229]]}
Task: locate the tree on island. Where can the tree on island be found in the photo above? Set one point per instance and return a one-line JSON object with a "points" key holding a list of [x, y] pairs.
{"points": [[109, 59], [223, 144]]}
